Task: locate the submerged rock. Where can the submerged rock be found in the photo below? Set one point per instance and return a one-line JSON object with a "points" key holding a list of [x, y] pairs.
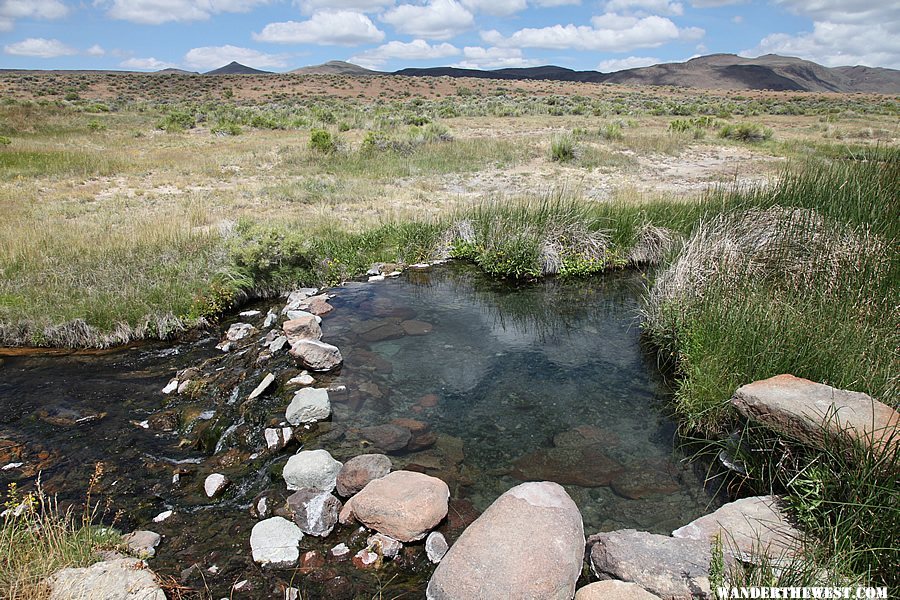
{"points": [[805, 410], [389, 438], [586, 466], [315, 512], [120, 579], [528, 544], [311, 469], [402, 504], [671, 568], [748, 528], [308, 406], [360, 470], [316, 355], [275, 542]]}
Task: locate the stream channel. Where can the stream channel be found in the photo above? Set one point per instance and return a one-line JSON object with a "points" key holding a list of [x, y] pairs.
{"points": [[546, 381]]}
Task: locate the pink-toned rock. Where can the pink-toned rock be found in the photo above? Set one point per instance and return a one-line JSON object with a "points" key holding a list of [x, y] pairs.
{"points": [[403, 505], [316, 355], [748, 528], [429, 401], [360, 470], [587, 466], [528, 544], [646, 478], [389, 438], [614, 590], [317, 305], [803, 409], [304, 328]]}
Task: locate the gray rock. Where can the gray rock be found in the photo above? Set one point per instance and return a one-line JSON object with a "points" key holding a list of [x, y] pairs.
{"points": [[278, 437], [311, 469], [271, 318], [308, 406], [669, 567], [402, 504], [747, 528], [804, 410], [215, 484], [316, 355], [436, 546], [303, 378], [278, 344], [359, 471], [259, 390], [120, 579], [275, 542], [528, 544], [614, 590], [315, 512], [239, 331], [142, 543], [297, 297]]}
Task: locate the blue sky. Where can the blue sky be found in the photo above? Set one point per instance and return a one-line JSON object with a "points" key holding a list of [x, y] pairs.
{"points": [[281, 35]]}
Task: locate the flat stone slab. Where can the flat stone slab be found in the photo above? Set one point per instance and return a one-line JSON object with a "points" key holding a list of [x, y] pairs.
{"points": [[747, 527], [614, 590], [804, 409], [121, 579], [671, 568], [275, 542]]}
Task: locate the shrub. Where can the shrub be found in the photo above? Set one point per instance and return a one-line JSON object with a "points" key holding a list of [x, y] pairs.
{"points": [[562, 149], [745, 132], [177, 121], [322, 141], [5, 141], [611, 131]]}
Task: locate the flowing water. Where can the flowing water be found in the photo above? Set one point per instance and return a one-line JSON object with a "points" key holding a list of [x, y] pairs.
{"points": [[499, 384]]}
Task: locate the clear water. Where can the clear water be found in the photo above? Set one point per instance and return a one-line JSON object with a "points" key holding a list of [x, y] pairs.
{"points": [[544, 381]]}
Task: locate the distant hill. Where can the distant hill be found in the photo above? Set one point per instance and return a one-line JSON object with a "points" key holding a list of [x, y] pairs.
{"points": [[171, 71], [236, 68], [716, 71], [336, 67]]}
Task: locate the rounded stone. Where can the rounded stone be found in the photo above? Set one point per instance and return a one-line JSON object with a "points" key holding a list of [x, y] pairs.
{"points": [[312, 470]]}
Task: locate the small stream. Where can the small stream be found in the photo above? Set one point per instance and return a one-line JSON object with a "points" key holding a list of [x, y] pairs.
{"points": [[544, 381]]}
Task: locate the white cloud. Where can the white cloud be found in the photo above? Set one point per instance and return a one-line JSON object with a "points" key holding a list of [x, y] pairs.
{"points": [[156, 12], [715, 3], [498, 8], [146, 64], [477, 57], [439, 19], [656, 7], [632, 62], [550, 3], [10, 10], [414, 50], [95, 50], [40, 48], [311, 6], [608, 32], [846, 32], [213, 57], [336, 28]]}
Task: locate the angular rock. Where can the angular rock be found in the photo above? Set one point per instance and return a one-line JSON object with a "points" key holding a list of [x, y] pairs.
{"points": [[315, 512], [239, 331], [142, 543], [298, 297], [747, 527], [214, 484], [308, 406], [389, 438], [385, 545], [528, 544], [436, 546], [275, 542], [278, 344], [360, 470], [271, 318], [402, 504], [311, 469], [259, 390], [803, 409], [302, 314], [303, 328], [303, 379], [671, 568], [317, 305], [316, 355], [366, 559], [120, 579], [614, 590], [586, 466], [278, 437], [340, 551], [170, 387]]}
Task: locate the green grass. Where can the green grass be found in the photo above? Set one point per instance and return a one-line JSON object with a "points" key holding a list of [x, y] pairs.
{"points": [[38, 163]]}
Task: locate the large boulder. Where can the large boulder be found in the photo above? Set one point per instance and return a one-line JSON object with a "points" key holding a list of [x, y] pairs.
{"points": [[315, 512], [304, 327], [311, 470], [275, 542], [360, 470], [747, 528], [528, 544], [403, 505], [316, 355], [308, 405], [121, 579], [614, 590], [804, 410], [671, 568]]}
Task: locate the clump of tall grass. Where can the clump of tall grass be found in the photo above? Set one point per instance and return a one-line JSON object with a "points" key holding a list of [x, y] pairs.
{"points": [[745, 132], [562, 148]]}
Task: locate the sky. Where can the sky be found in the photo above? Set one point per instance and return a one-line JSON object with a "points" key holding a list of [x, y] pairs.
{"points": [[280, 35]]}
